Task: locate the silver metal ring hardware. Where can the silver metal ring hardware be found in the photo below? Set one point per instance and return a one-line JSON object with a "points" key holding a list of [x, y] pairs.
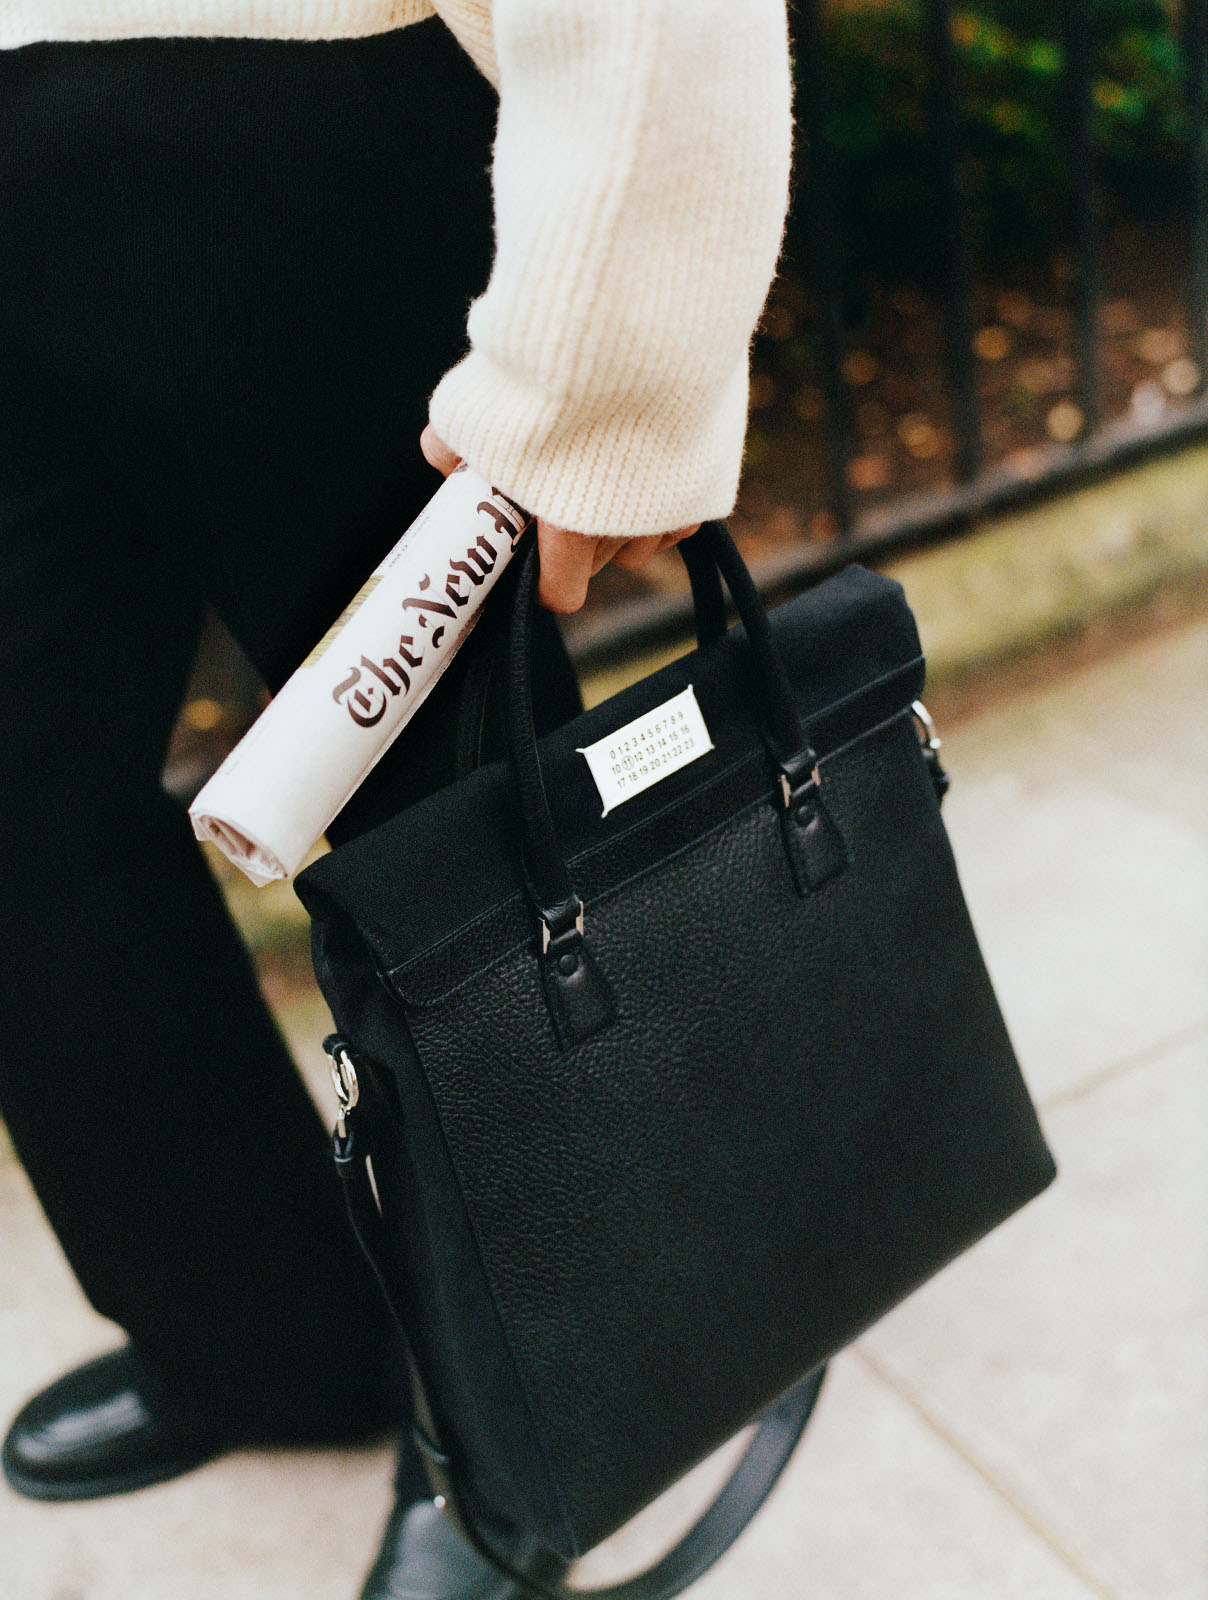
{"points": [[344, 1082], [927, 733]]}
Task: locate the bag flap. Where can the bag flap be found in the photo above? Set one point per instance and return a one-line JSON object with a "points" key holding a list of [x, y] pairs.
{"points": [[437, 892]]}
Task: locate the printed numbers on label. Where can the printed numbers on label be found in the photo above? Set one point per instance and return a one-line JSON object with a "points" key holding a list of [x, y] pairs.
{"points": [[647, 749], [660, 757]]}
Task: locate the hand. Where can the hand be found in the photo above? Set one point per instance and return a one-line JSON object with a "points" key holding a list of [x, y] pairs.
{"points": [[568, 560]]}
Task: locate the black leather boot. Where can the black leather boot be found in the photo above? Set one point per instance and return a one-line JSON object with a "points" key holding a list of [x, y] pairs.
{"points": [[423, 1557], [109, 1426]]}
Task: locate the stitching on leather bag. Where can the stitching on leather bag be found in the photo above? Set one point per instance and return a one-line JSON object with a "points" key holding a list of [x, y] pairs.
{"points": [[613, 890], [504, 910], [598, 900], [394, 975]]}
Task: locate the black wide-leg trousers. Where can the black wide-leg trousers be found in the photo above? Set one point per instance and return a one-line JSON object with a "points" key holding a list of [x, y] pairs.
{"points": [[231, 273]]}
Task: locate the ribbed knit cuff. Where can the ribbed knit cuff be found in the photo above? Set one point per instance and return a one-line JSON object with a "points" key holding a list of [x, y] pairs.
{"points": [[25, 21], [619, 471]]}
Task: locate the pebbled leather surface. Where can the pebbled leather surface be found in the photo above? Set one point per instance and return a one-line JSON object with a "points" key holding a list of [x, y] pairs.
{"points": [[805, 1106]]}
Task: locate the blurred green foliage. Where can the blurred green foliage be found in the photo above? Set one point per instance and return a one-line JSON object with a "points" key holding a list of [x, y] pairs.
{"points": [[1014, 170]]}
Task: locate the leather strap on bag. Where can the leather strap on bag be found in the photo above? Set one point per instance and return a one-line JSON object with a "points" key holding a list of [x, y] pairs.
{"points": [[577, 993], [709, 552], [776, 1436]]}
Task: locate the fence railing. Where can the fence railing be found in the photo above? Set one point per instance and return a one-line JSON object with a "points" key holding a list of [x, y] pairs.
{"points": [[976, 488]]}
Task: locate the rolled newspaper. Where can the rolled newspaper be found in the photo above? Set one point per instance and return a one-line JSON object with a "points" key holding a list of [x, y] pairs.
{"points": [[336, 717]]}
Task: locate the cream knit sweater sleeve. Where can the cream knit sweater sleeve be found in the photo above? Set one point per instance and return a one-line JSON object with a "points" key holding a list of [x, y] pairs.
{"points": [[640, 176]]}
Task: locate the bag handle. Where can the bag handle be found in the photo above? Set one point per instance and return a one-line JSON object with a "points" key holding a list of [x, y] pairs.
{"points": [[579, 999], [711, 549], [708, 598], [749, 1485]]}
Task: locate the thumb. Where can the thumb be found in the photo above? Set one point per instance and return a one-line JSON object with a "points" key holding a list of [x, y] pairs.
{"points": [[567, 563], [436, 452]]}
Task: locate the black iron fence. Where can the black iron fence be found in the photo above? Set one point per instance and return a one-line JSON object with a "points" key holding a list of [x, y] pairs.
{"points": [[1092, 439]]}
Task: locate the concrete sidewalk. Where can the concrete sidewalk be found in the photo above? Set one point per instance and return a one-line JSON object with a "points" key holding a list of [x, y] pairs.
{"points": [[1033, 1425]]}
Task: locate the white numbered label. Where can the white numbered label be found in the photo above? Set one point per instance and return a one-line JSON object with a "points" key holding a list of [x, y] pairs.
{"points": [[647, 749]]}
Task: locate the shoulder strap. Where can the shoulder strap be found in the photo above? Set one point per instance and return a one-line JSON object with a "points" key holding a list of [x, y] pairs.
{"points": [[764, 1459]]}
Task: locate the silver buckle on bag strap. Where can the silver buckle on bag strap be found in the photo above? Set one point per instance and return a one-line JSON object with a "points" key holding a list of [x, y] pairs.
{"points": [[546, 935], [786, 787]]}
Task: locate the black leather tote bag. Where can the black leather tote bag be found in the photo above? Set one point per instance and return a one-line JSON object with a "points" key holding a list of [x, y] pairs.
{"points": [[678, 1059]]}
